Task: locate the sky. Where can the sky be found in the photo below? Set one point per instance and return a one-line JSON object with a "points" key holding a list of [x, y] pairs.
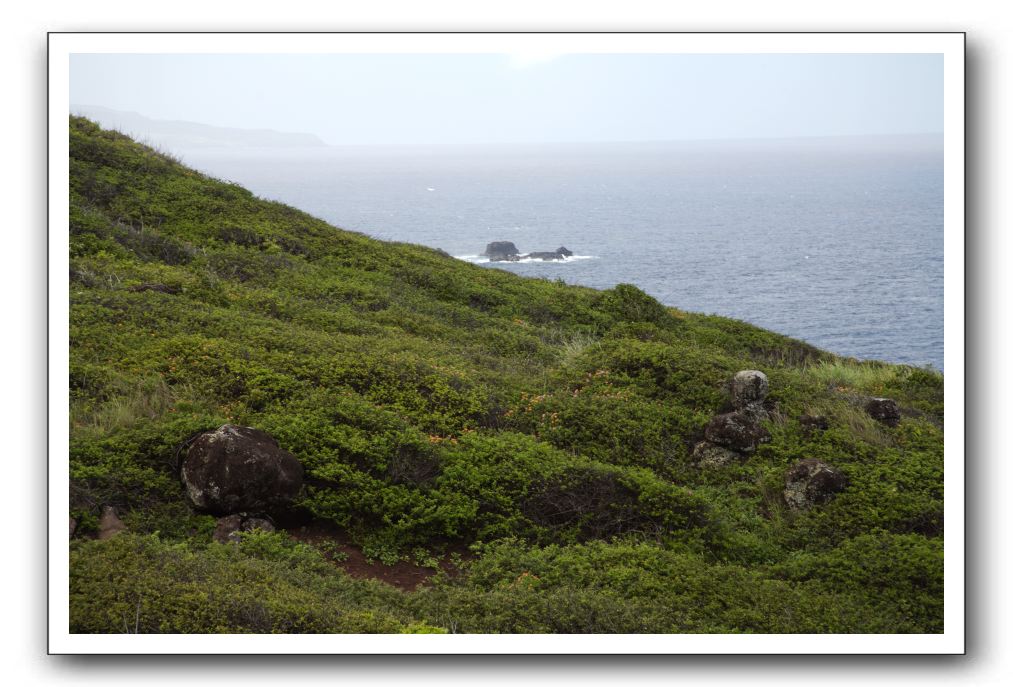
{"points": [[349, 99]]}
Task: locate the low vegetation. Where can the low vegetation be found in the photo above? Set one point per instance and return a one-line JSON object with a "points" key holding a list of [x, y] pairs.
{"points": [[438, 407]]}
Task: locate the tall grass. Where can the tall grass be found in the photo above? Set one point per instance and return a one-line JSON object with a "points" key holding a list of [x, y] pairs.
{"points": [[849, 375], [572, 347], [129, 402]]}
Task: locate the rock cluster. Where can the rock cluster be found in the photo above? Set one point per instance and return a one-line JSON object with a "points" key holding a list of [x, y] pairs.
{"points": [[239, 469], [731, 435], [506, 251]]}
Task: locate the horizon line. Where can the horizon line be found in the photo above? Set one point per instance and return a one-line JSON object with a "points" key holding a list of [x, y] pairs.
{"points": [[717, 139]]}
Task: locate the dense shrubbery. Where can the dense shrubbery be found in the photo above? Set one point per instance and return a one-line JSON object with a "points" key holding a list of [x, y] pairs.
{"points": [[437, 403], [631, 586], [134, 584]]}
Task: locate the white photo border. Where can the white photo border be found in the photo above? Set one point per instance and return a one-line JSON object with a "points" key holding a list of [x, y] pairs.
{"points": [[950, 45]]}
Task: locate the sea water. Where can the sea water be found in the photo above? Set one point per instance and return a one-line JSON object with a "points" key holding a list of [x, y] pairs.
{"points": [[835, 241]]}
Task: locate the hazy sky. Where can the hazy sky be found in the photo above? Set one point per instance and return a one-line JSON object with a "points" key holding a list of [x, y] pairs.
{"points": [[464, 98]]}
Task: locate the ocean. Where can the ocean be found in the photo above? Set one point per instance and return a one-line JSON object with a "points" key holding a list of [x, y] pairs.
{"points": [[835, 241]]}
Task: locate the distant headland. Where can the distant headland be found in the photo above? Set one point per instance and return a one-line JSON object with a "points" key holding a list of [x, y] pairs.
{"points": [[175, 135]]}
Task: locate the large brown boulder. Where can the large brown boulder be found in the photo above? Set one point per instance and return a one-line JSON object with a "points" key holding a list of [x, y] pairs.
{"points": [[234, 469], [812, 482], [739, 431]]}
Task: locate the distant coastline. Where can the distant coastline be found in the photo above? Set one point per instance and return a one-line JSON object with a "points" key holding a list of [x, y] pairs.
{"points": [[174, 134]]}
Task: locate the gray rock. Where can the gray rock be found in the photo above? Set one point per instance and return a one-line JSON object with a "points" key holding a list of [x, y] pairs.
{"points": [[708, 455], [73, 526], [884, 410], [812, 482], [109, 525], [239, 469], [739, 431], [749, 388]]}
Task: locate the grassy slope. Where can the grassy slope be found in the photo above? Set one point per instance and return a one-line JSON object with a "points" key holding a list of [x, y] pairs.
{"points": [[437, 403]]}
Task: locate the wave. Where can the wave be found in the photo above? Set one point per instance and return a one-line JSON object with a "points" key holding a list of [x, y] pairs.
{"points": [[482, 260]]}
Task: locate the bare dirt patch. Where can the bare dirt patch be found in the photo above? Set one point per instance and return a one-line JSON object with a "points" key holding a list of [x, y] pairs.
{"points": [[334, 543]]}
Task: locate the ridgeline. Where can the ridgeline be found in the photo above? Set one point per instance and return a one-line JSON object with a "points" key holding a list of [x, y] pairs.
{"points": [[509, 454]]}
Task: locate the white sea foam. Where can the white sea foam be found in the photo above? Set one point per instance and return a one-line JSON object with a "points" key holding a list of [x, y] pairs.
{"points": [[482, 260]]}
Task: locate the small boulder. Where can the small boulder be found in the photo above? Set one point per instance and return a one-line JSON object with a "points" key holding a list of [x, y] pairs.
{"points": [[501, 250], [812, 482], [228, 527], [236, 469], [814, 423], [884, 410], [708, 455], [739, 431], [109, 525], [749, 388]]}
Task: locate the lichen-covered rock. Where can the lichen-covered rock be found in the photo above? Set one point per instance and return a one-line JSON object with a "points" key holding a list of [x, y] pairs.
{"points": [[708, 455], [237, 469], [883, 410], [109, 525], [812, 482], [227, 528], [749, 388], [739, 431]]}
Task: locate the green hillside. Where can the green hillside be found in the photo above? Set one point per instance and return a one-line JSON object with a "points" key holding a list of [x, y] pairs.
{"points": [[526, 444]]}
